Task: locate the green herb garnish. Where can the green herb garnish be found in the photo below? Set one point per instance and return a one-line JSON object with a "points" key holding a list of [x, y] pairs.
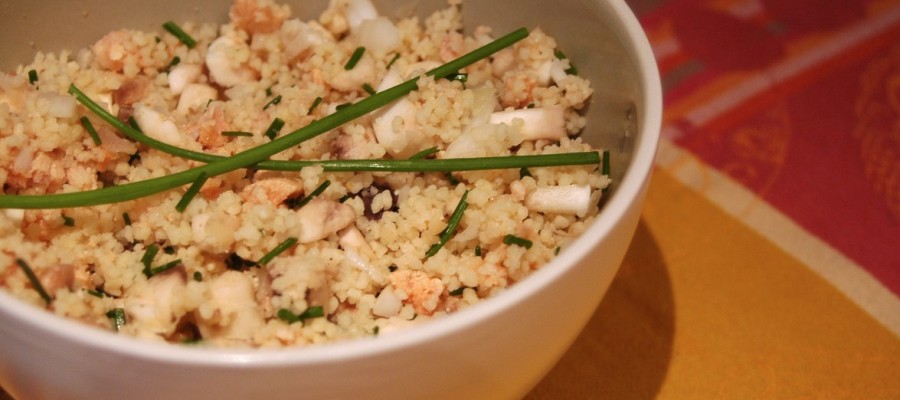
{"points": [[424, 153], [191, 193], [32, 76], [274, 128], [117, 315], [35, 282], [562, 56], [126, 218], [286, 244], [272, 102], [236, 133], [295, 203], [517, 241], [175, 61], [314, 104], [151, 272], [68, 221], [198, 277], [368, 88], [148, 256], [354, 58], [179, 33], [89, 127], [458, 291], [448, 232], [312, 312], [393, 60], [477, 250]]}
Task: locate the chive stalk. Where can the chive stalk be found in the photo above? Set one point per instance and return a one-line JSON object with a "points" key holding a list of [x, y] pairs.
{"points": [[149, 255], [517, 241], [151, 272], [354, 58], [179, 33], [35, 282], [281, 248], [448, 232], [191, 193], [253, 156], [236, 133], [274, 128], [424, 153], [314, 104], [89, 127], [302, 202], [272, 102], [369, 89]]}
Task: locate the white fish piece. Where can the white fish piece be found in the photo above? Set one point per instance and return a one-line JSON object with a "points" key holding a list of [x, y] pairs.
{"points": [[182, 75], [196, 95], [157, 125]]}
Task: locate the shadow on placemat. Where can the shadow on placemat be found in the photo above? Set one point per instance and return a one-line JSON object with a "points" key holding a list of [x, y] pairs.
{"points": [[625, 349]]}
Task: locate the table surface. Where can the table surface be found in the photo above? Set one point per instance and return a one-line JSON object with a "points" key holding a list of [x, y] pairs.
{"points": [[767, 260]]}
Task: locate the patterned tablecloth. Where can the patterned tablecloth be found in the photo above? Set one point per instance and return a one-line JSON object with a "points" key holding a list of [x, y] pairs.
{"points": [[767, 261]]}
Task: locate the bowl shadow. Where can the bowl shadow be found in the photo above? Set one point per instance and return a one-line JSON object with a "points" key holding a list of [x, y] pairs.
{"points": [[626, 347]]}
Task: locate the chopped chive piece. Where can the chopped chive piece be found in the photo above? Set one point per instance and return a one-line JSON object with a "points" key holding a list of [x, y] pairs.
{"points": [[448, 232], [134, 125], [127, 219], [556, 251], [424, 153], [515, 240], [354, 58], [198, 276], [35, 282], [162, 268], [32, 76], [268, 91], [299, 203], [149, 255], [342, 106], [562, 56], [169, 250], [274, 128], [286, 244], [375, 330], [117, 315], [315, 104], [191, 193], [393, 60], [175, 61], [530, 105], [89, 127], [344, 198], [393, 268], [477, 250], [458, 291], [96, 293], [369, 89], [182, 36], [157, 39], [312, 312], [68, 221], [523, 172], [272, 102], [236, 133]]}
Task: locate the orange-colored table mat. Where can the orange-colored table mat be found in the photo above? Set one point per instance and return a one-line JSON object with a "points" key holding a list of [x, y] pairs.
{"points": [[767, 263]]}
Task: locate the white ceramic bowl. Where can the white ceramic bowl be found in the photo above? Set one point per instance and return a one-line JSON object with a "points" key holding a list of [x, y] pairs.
{"points": [[496, 350]]}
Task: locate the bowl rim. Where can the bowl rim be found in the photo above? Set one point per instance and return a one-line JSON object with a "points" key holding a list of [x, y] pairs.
{"points": [[633, 182]]}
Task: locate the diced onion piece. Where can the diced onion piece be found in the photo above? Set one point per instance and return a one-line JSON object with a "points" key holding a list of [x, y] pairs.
{"points": [[396, 129], [387, 304], [562, 199], [536, 123], [60, 106]]}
